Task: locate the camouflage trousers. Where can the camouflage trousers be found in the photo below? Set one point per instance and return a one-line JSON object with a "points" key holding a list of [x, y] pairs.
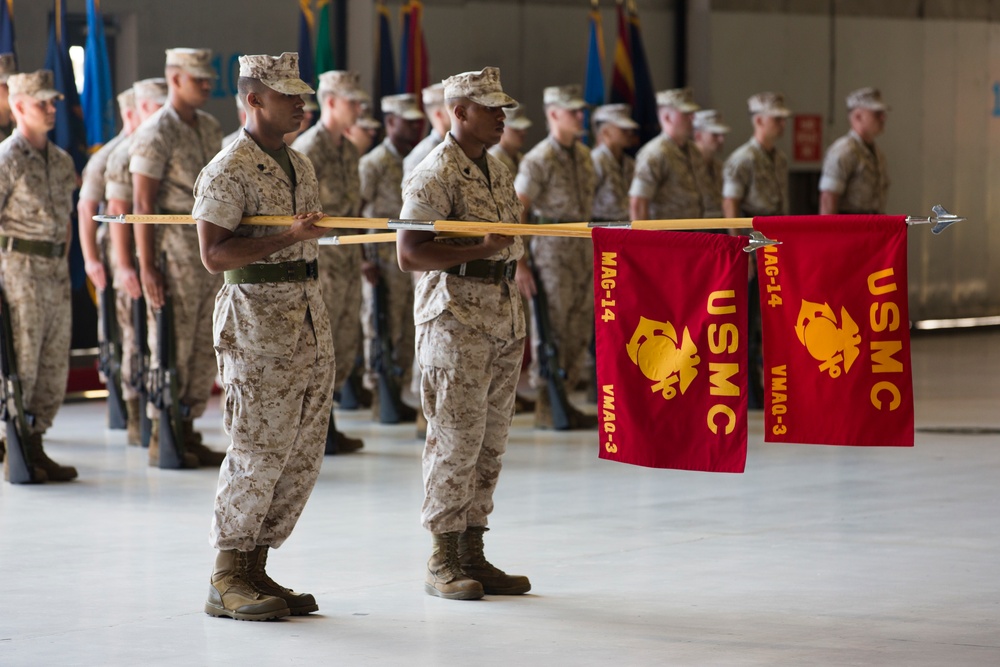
{"points": [[340, 278], [130, 346], [468, 386], [400, 316], [193, 291], [566, 269], [38, 292], [277, 412]]}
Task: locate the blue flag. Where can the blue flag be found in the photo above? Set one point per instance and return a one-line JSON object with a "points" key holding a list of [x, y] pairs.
{"points": [[385, 67], [644, 111], [7, 28], [307, 71], [593, 90], [98, 97]]}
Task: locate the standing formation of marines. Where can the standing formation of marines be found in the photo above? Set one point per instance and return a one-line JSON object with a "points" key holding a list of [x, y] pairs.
{"points": [[271, 313]]}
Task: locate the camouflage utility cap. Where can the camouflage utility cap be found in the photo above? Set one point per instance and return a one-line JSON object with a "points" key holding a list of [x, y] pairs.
{"points": [[768, 104], [196, 62], [433, 96], [515, 118], [480, 87], [404, 106], [154, 89], [619, 115], [565, 97], [279, 73], [8, 66], [365, 120], [866, 98], [342, 83], [126, 99], [710, 120], [681, 99], [34, 84]]}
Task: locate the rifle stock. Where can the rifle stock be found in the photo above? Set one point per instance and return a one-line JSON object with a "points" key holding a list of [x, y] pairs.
{"points": [[109, 360], [166, 390], [548, 358], [140, 377], [19, 463]]}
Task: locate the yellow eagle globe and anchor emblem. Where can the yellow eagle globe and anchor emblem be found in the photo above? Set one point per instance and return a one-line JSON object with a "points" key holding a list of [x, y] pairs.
{"points": [[664, 357], [825, 339]]}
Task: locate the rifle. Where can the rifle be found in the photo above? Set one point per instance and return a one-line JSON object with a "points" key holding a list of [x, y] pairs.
{"points": [[20, 465], [391, 408], [165, 389], [140, 371], [548, 358], [110, 359]]}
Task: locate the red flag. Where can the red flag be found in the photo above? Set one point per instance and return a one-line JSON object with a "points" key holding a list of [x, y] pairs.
{"points": [[836, 331], [622, 76], [671, 314]]}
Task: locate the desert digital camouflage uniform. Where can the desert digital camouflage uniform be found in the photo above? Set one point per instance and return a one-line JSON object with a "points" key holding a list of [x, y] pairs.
{"points": [[757, 179], [711, 182], [275, 354], [166, 148], [118, 185], [420, 151], [857, 172], [470, 339], [560, 184], [667, 175], [36, 201], [613, 179], [510, 161], [339, 266], [381, 173]]}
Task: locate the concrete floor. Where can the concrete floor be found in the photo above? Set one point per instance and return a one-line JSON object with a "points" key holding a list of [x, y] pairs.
{"points": [[814, 556]]}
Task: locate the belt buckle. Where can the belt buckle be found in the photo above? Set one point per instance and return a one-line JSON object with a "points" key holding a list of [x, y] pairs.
{"points": [[312, 270], [461, 268], [9, 244]]}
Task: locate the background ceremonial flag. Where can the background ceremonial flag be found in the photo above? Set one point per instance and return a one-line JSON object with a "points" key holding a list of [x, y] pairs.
{"points": [[98, 96], [385, 68], [593, 91], [7, 27], [671, 314], [836, 331], [324, 39], [622, 77], [413, 70], [307, 70], [644, 109]]}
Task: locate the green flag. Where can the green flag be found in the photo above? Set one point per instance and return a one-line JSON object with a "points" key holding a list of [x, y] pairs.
{"points": [[324, 43]]}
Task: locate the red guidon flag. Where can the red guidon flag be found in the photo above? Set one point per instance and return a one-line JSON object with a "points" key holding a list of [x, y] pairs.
{"points": [[836, 330], [671, 319]]}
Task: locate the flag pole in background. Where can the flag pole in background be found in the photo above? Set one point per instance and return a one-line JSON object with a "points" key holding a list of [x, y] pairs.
{"points": [[98, 97], [7, 28], [593, 91], [307, 69]]}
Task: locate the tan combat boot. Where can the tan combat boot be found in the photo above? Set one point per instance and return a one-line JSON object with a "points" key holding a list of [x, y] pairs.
{"points": [[190, 460], [193, 445], [581, 421], [231, 594], [53, 471], [38, 475], [133, 422], [543, 409], [445, 578], [494, 580], [298, 603]]}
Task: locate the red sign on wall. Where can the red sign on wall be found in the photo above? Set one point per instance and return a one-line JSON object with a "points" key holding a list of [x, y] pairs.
{"points": [[807, 138]]}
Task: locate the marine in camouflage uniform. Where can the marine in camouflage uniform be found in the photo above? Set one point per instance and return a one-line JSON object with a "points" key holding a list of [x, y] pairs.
{"points": [[755, 176], [8, 66], [855, 178], [556, 183], [166, 154], [440, 121], [709, 136], [666, 182], [470, 336], [613, 167], [272, 339], [149, 95], [37, 179], [515, 130], [381, 172], [336, 163]]}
